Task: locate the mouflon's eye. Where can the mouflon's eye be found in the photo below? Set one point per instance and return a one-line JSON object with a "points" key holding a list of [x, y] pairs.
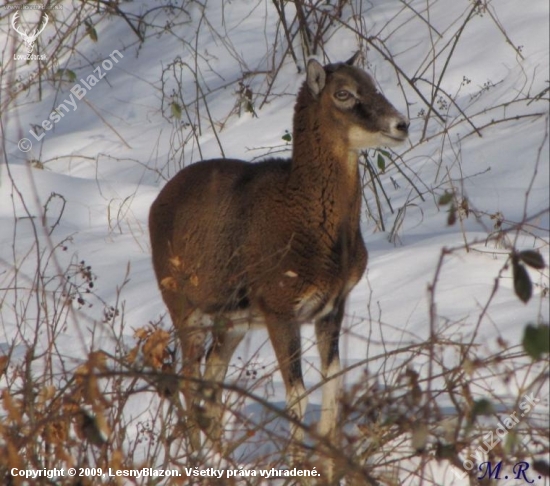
{"points": [[343, 95]]}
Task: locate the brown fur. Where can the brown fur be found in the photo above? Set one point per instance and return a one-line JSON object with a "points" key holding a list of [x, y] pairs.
{"points": [[276, 242]]}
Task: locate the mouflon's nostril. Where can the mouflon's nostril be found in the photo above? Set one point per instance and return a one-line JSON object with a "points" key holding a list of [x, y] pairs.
{"points": [[402, 126]]}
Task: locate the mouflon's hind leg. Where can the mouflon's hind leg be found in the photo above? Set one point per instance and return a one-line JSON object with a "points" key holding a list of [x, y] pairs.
{"points": [[226, 338], [192, 336]]}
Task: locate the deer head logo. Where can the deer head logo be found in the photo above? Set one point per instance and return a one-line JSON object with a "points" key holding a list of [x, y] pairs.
{"points": [[29, 39]]}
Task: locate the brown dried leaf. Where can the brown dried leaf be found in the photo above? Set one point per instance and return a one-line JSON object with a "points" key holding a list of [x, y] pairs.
{"points": [[155, 348], [102, 425], [91, 391], [169, 283], [86, 380], [83, 369], [11, 407], [81, 373], [502, 343], [14, 456], [451, 218], [98, 360], [56, 432], [141, 333], [176, 262], [194, 279], [70, 406], [465, 206], [4, 361], [46, 394], [132, 355], [117, 460]]}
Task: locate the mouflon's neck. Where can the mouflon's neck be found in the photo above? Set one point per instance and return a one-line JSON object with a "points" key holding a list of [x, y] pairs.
{"points": [[323, 167]]}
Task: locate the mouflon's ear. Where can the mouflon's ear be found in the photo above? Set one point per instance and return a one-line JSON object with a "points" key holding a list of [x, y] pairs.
{"points": [[316, 77], [351, 61]]}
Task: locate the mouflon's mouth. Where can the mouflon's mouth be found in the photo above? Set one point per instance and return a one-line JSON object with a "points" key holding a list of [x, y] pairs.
{"points": [[395, 139]]}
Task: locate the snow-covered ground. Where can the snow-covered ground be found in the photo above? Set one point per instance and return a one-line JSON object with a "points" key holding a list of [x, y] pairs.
{"points": [[83, 190]]}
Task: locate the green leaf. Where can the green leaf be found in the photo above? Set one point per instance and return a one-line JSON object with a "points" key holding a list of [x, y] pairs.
{"points": [[536, 340], [90, 30], [522, 282], [482, 407], [445, 199], [287, 137], [542, 467], [532, 258], [419, 437], [249, 107], [381, 162], [175, 108], [67, 74], [511, 442]]}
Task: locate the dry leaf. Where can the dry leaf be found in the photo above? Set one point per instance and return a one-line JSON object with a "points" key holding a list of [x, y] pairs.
{"points": [[46, 394], [169, 283], [155, 348], [13, 410], [141, 333], [56, 432], [176, 262], [132, 355], [4, 361], [98, 360], [419, 437]]}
